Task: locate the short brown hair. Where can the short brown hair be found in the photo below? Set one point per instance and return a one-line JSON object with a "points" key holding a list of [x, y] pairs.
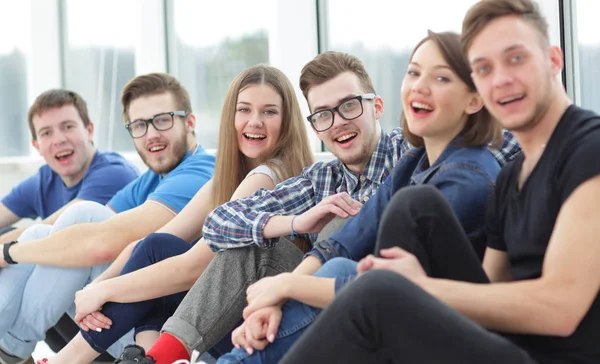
{"points": [[54, 99], [483, 12], [154, 84], [329, 65], [480, 128]]}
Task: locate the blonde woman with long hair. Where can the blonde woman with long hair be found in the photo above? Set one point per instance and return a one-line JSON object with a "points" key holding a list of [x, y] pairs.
{"points": [[262, 141]]}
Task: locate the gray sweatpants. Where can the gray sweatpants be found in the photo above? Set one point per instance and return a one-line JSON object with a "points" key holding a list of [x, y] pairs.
{"points": [[215, 303]]}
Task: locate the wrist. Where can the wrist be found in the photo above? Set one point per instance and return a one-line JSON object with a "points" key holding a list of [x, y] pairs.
{"points": [[6, 248]]}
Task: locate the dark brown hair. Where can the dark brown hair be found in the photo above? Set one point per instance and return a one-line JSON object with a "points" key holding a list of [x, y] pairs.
{"points": [[54, 99], [329, 65], [480, 128], [485, 11], [154, 84]]}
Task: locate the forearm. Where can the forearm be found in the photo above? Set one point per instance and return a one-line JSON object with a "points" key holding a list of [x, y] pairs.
{"points": [[117, 266], [524, 307], [172, 275], [81, 245], [308, 266], [313, 291], [278, 226]]}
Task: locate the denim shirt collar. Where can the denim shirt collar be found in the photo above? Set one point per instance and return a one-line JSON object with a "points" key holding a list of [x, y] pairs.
{"points": [[423, 171], [374, 171]]}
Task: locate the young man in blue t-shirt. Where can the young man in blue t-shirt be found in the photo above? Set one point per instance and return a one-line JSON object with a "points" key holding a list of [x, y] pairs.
{"points": [[62, 132], [88, 236]]}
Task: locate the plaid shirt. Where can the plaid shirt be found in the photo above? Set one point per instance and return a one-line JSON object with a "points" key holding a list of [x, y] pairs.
{"points": [[240, 223]]}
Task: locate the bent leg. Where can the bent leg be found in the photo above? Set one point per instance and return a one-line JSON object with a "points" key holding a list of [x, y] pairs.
{"points": [[49, 291], [14, 278], [420, 220], [382, 317], [296, 319], [214, 305]]}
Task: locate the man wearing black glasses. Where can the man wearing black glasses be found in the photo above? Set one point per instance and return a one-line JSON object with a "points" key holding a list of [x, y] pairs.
{"points": [[345, 116], [87, 235]]}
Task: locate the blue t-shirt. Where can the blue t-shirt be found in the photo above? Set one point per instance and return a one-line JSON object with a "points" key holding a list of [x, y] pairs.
{"points": [[44, 193], [174, 190]]}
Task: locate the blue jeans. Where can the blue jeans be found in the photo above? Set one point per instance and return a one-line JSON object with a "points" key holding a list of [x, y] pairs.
{"points": [[145, 315], [297, 317], [34, 297]]}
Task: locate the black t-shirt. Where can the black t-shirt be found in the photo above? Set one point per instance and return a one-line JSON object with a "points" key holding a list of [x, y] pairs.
{"points": [[521, 223]]}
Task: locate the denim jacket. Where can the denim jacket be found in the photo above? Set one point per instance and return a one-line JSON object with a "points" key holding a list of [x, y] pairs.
{"points": [[464, 175]]}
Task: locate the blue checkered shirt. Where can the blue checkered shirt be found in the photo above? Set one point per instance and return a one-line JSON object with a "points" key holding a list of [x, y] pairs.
{"points": [[240, 223]]}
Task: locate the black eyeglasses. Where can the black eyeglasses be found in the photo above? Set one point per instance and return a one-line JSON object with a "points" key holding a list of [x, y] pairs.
{"points": [[161, 122], [350, 109]]}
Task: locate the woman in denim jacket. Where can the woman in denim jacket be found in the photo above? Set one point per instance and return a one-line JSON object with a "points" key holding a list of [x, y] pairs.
{"points": [[445, 120]]}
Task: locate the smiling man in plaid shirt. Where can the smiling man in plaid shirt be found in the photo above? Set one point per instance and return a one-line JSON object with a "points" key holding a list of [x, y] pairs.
{"points": [[346, 112]]}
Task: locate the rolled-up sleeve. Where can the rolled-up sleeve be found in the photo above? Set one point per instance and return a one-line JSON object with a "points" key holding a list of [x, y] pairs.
{"points": [[240, 223]]}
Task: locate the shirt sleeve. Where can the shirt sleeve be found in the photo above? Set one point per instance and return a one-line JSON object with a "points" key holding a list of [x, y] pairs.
{"points": [[493, 224], [580, 162], [181, 184], [102, 183], [264, 169], [356, 239], [240, 223], [19, 199]]}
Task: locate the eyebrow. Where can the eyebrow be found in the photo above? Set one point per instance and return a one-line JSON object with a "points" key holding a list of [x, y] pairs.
{"points": [[61, 123], [444, 66], [266, 105], [506, 50], [345, 98]]}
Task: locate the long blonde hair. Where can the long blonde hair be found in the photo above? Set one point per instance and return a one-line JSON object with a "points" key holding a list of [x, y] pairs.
{"points": [[292, 148]]}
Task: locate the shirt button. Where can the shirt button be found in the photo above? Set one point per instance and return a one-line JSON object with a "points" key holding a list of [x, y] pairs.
{"points": [[362, 178], [366, 198]]}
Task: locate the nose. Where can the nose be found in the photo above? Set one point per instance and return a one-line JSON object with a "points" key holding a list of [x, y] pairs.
{"points": [[58, 137], [420, 86], [256, 120], [501, 77], [152, 133]]}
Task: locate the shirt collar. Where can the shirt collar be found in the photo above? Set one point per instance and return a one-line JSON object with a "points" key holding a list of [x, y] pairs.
{"points": [[374, 169]]}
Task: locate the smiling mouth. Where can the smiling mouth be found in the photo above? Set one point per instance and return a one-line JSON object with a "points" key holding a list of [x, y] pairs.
{"points": [[511, 99], [64, 155], [156, 148], [253, 136], [420, 108], [346, 138]]}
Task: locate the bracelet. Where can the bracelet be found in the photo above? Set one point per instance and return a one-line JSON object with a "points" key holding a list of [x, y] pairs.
{"points": [[293, 234], [7, 257]]}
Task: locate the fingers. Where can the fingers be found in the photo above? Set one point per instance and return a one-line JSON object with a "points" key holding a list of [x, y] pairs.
{"points": [[345, 203], [238, 337], [256, 332], [101, 318], [93, 323], [273, 325], [394, 253], [365, 264]]}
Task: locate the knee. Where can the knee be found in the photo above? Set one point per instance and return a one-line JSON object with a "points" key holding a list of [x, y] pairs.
{"points": [[37, 231], [83, 212], [415, 199], [337, 267]]}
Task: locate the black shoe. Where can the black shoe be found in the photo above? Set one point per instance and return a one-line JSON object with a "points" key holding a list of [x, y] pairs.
{"points": [[134, 354]]}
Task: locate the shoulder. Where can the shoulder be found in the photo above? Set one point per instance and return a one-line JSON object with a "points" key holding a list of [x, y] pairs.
{"points": [[267, 170], [322, 168], [114, 161], [476, 160], [199, 163]]}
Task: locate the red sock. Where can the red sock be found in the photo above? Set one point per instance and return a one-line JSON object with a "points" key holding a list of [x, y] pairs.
{"points": [[168, 349]]}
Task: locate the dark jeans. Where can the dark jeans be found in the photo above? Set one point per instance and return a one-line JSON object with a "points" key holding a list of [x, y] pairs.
{"points": [[144, 315], [384, 318]]}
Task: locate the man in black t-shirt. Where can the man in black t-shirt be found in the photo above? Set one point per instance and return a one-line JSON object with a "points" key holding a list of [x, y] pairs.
{"points": [[535, 300]]}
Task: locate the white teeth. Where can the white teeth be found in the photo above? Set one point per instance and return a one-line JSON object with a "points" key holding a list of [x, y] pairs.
{"points": [[157, 148], [346, 137], [64, 154], [418, 105], [511, 98], [255, 136]]}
